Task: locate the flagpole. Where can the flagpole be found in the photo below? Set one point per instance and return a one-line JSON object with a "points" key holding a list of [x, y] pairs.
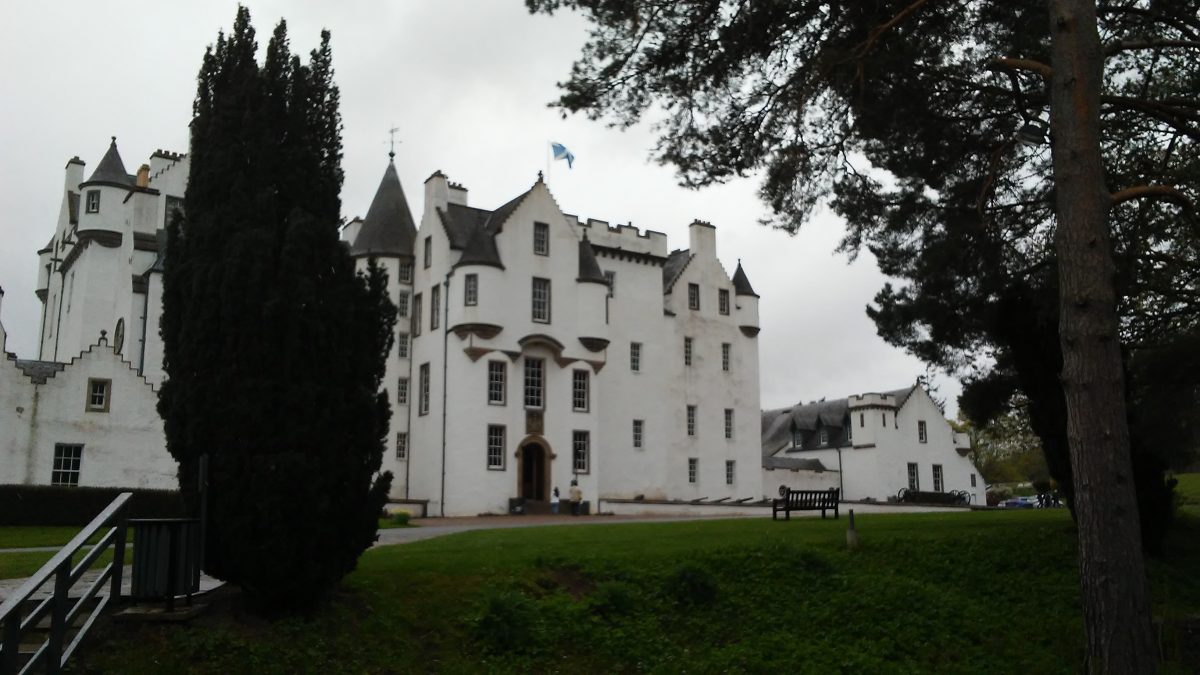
{"points": [[549, 155]]}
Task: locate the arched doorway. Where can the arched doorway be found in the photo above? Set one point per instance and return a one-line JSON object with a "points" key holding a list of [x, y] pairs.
{"points": [[535, 472]]}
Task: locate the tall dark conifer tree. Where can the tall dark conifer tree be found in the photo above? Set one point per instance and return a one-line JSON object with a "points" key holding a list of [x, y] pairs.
{"points": [[274, 346]]}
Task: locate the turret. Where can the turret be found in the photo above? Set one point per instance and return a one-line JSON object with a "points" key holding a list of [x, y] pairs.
{"points": [[746, 301], [388, 230], [103, 194], [592, 289]]}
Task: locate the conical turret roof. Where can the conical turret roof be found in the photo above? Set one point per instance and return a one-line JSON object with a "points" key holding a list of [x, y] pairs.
{"points": [[388, 229], [589, 269], [480, 250], [111, 169], [741, 284]]}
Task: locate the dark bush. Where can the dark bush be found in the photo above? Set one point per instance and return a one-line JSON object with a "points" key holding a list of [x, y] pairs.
{"points": [[59, 505], [692, 584]]}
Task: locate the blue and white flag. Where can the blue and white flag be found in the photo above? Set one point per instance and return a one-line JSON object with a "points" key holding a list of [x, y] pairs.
{"points": [[561, 152]]}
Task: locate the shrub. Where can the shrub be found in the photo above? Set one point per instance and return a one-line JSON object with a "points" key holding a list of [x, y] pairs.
{"points": [[692, 584], [507, 622], [401, 518]]}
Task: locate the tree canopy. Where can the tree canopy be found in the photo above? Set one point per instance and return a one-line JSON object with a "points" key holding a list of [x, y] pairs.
{"points": [[274, 346]]}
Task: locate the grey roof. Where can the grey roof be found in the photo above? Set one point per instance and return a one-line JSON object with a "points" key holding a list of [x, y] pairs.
{"points": [[73, 207], [793, 463], [480, 250], [777, 424], [460, 222], [589, 269], [39, 371], [676, 262], [741, 284], [388, 228], [111, 169]]}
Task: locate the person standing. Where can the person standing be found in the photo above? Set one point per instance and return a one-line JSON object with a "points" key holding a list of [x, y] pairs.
{"points": [[554, 502], [576, 497]]}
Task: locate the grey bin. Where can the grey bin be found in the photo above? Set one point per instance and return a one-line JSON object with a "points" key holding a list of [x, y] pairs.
{"points": [[166, 559]]}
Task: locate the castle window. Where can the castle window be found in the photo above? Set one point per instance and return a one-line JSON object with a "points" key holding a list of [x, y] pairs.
{"points": [[93, 201], [435, 303], [402, 445], [972, 480], [914, 480], [402, 345], [691, 420], [687, 351], [729, 423], [423, 403], [99, 395], [730, 471], [402, 391], [541, 239], [579, 390], [723, 301], [610, 278], [884, 417], [937, 477], [922, 434], [495, 447], [581, 443], [694, 296], [416, 315], [428, 252], [496, 371], [541, 300], [533, 382], [471, 290], [406, 272], [639, 428], [402, 304], [862, 419], [849, 431], [67, 458], [635, 356], [693, 469], [797, 438], [725, 356], [824, 437]]}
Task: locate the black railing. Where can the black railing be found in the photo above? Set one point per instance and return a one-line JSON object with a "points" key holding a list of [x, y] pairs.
{"points": [[62, 608]]}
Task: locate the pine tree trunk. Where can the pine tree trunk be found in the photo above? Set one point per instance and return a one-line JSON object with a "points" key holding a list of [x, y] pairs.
{"points": [[1111, 569]]}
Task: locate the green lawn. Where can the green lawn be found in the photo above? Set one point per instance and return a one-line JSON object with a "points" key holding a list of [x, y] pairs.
{"points": [[27, 537], [950, 592]]}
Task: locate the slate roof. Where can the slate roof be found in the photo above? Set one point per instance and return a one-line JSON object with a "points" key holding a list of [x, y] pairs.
{"points": [[388, 228], [777, 424], [111, 169], [741, 284], [676, 262], [473, 231], [589, 269], [480, 250], [39, 371]]}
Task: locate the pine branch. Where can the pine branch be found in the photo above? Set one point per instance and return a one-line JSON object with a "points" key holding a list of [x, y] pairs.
{"points": [[1027, 65], [1151, 192], [1129, 45]]}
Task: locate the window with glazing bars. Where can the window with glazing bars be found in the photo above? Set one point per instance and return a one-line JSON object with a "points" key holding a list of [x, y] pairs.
{"points": [[541, 300], [496, 371], [581, 451], [914, 480], [406, 269], [687, 351], [402, 345], [639, 427], [730, 467], [691, 420], [922, 434], [693, 296], [67, 459], [729, 423], [495, 446], [723, 301], [534, 381], [402, 445], [610, 278], [435, 306], [416, 315], [402, 304], [725, 347], [693, 469], [937, 477], [423, 403], [402, 391], [579, 390], [541, 238], [471, 290], [635, 356], [99, 395]]}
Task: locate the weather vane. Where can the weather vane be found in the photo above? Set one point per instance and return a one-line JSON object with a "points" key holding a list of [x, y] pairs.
{"points": [[392, 141]]}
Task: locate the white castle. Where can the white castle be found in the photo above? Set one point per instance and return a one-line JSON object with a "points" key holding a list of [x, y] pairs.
{"points": [[533, 349]]}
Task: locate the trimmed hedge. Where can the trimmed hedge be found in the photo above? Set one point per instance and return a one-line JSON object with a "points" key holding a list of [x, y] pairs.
{"points": [[58, 505]]}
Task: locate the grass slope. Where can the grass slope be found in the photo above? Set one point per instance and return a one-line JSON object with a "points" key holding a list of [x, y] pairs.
{"points": [[952, 592]]}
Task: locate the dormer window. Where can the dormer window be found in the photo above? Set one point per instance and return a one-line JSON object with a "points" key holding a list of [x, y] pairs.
{"points": [[93, 201], [541, 239], [824, 436], [797, 438]]}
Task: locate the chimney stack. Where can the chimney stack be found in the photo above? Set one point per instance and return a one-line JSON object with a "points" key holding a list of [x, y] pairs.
{"points": [[143, 176]]}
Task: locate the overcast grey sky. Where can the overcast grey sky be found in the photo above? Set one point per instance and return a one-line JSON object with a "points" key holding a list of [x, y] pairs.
{"points": [[467, 83]]}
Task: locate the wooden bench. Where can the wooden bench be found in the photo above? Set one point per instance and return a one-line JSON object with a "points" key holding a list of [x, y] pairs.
{"points": [[804, 500]]}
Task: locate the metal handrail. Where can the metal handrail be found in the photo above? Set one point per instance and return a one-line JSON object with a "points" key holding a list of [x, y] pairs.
{"points": [[62, 611]]}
